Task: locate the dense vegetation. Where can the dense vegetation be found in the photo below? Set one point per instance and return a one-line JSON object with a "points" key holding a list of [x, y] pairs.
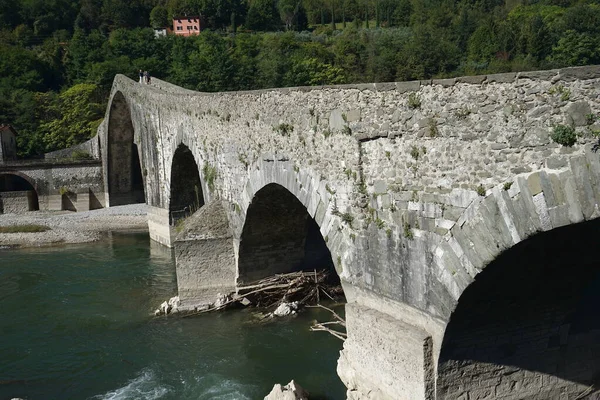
{"points": [[58, 57]]}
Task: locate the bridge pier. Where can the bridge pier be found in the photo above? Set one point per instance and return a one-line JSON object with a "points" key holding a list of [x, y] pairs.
{"points": [[205, 257], [159, 227], [391, 350]]}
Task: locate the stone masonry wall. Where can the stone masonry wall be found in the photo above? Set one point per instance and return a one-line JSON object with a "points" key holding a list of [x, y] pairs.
{"points": [[17, 202]]}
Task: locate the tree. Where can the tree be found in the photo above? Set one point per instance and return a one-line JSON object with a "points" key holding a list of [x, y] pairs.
{"points": [[576, 49], [262, 16], [159, 17], [77, 112]]}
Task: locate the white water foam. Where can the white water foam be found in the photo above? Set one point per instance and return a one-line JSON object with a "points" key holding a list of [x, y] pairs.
{"points": [[143, 387], [217, 387]]}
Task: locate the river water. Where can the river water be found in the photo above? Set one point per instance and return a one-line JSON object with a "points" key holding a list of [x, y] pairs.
{"points": [[76, 323]]}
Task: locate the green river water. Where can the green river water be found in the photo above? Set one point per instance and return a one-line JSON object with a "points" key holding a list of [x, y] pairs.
{"points": [[76, 323]]}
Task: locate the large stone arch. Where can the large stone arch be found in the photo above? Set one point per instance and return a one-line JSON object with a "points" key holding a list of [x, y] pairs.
{"points": [[274, 175], [124, 174], [17, 195], [492, 229], [186, 192]]}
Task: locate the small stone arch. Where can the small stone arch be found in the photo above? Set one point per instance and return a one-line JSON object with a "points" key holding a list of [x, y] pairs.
{"points": [[186, 191], [475, 261], [308, 215], [19, 194]]}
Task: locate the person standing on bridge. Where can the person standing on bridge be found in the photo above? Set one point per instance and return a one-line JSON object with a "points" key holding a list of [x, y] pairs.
{"points": [[141, 76], [148, 78]]}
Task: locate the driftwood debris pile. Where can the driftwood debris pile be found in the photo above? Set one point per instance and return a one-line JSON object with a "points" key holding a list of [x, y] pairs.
{"points": [[302, 288], [285, 294]]}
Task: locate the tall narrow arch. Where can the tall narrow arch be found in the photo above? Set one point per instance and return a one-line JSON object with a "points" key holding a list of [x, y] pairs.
{"points": [[528, 327], [186, 195], [279, 236], [125, 178], [17, 194]]}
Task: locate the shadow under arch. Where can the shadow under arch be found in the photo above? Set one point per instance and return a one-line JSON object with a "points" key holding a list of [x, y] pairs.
{"points": [[186, 196], [528, 327], [124, 173], [24, 196], [280, 236]]}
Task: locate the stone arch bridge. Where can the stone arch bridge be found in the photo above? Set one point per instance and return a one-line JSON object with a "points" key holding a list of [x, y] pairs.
{"points": [[464, 236]]}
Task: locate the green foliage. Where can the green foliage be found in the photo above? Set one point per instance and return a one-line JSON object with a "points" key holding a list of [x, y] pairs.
{"points": [[415, 153], [81, 155], [210, 174], [75, 113], [480, 190], [564, 93], [347, 218], [564, 135], [414, 101], [433, 128], [284, 129], [591, 118], [24, 228], [507, 185], [408, 233]]}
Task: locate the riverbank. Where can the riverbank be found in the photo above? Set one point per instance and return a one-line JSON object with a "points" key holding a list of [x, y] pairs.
{"points": [[72, 227]]}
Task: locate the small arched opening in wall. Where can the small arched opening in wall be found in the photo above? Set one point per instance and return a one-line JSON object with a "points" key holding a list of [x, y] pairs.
{"points": [[125, 179], [280, 236], [17, 194], [528, 327], [186, 189]]}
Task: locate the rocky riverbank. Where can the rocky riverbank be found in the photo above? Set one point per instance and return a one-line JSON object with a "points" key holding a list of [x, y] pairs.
{"points": [[72, 227]]}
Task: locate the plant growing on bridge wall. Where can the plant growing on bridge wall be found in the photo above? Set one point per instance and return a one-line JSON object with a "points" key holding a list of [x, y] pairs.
{"points": [[284, 129], [480, 190], [210, 173], [408, 233], [433, 128], [591, 118], [565, 94], [243, 159], [507, 185], [64, 191], [564, 135], [414, 101]]}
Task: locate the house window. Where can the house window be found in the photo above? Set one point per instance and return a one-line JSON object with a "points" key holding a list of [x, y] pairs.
{"points": [[195, 27], [179, 28], [189, 20]]}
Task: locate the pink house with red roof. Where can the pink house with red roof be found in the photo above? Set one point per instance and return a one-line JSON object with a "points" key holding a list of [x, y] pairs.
{"points": [[186, 26]]}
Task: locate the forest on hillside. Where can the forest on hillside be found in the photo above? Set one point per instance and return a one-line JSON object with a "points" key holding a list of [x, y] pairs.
{"points": [[58, 57]]}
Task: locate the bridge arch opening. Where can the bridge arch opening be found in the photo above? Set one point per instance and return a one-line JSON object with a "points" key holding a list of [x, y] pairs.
{"points": [[17, 194], [280, 236], [186, 189], [125, 178], [528, 327]]}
